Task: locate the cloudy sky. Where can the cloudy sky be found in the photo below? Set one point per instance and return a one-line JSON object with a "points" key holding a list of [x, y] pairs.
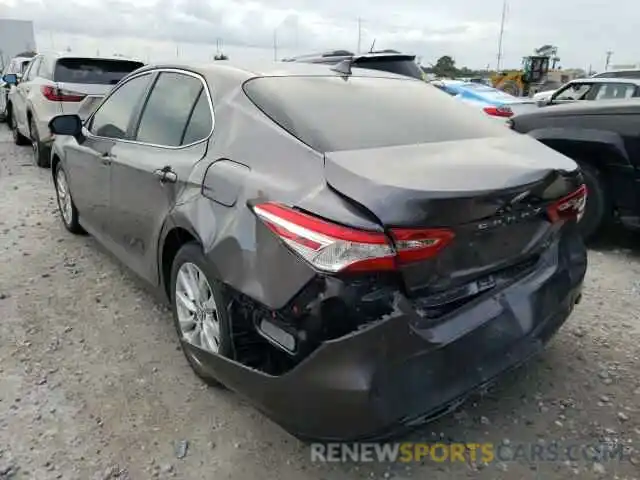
{"points": [[465, 29]]}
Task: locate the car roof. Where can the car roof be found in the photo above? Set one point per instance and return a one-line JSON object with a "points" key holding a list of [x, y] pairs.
{"points": [[246, 71], [59, 55], [226, 76], [633, 81], [623, 70]]}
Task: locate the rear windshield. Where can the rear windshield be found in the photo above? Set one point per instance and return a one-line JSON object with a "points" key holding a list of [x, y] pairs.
{"points": [[407, 67], [93, 70], [332, 114]]}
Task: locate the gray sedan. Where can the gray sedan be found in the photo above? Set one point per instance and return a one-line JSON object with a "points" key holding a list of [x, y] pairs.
{"points": [[356, 253]]}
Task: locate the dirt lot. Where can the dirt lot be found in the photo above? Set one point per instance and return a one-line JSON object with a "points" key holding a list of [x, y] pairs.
{"points": [[93, 386]]}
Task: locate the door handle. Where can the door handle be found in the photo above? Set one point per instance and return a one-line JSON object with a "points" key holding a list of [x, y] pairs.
{"points": [[166, 175]]}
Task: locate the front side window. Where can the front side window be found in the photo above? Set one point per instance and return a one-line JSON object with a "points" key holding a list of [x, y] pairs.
{"points": [[575, 91], [30, 74], [114, 115], [168, 109]]}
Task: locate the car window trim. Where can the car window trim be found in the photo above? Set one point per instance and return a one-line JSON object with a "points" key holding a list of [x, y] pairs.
{"points": [[134, 121], [193, 109], [137, 115]]}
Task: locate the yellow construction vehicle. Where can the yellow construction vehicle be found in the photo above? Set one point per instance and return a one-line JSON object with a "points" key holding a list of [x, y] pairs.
{"points": [[523, 82]]}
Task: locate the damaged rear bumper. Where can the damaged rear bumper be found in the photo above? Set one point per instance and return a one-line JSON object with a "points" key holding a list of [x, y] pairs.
{"points": [[405, 370]]}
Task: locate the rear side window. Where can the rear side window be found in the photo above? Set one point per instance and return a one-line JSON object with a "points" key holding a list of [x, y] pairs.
{"points": [[93, 70], [608, 91], [201, 121], [168, 109], [331, 114]]}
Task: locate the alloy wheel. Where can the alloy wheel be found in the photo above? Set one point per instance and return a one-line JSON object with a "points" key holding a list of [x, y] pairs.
{"points": [[196, 308], [64, 197]]}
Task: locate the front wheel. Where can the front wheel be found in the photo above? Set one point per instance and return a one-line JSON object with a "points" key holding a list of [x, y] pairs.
{"points": [[199, 309], [66, 207]]}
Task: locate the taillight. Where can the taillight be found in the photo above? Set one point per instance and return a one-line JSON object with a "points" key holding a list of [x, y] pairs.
{"points": [[569, 207], [59, 95], [498, 111], [333, 248]]}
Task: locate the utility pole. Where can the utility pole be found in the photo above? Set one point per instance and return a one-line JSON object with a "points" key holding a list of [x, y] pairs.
{"points": [[504, 16], [275, 45], [359, 33], [608, 61]]}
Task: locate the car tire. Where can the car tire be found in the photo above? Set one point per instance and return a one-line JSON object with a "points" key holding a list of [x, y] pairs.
{"points": [[40, 151], [191, 260], [598, 209], [66, 206], [18, 138]]}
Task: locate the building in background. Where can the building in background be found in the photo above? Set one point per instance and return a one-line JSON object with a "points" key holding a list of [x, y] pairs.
{"points": [[16, 36]]}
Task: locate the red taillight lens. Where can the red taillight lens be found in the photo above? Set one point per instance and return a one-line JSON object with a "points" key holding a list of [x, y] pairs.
{"points": [[569, 207], [58, 95], [505, 112], [333, 248], [415, 245]]}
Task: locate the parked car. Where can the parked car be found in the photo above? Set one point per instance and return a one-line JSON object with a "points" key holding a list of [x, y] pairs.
{"points": [[492, 101], [603, 138], [15, 66], [329, 242], [593, 89], [386, 60], [60, 83], [630, 73]]}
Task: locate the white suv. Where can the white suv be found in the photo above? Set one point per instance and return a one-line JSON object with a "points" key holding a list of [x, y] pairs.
{"points": [[55, 84]]}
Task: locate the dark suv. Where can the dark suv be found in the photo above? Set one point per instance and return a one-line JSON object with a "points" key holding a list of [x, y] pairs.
{"points": [[604, 139], [386, 60]]}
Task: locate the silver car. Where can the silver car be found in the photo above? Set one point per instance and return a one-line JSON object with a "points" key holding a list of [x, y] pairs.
{"points": [[55, 84], [16, 66]]}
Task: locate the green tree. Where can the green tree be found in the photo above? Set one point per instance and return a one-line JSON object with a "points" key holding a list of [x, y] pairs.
{"points": [[445, 67]]}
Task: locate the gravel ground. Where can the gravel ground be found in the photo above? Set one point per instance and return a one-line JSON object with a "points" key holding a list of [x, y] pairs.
{"points": [[93, 385]]}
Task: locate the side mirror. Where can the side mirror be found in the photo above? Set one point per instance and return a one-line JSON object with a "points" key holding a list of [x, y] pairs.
{"points": [[70, 125], [542, 102], [10, 79]]}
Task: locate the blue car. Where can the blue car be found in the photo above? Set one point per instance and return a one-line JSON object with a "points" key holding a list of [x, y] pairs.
{"points": [[492, 101]]}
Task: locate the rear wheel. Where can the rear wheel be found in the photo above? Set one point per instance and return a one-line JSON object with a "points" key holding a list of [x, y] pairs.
{"points": [[18, 138], [199, 311], [40, 151], [598, 208]]}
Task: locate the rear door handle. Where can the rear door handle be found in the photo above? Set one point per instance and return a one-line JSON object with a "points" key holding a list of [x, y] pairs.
{"points": [[166, 175]]}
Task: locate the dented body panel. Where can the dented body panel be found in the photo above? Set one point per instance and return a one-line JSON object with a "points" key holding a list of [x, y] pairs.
{"points": [[403, 369]]}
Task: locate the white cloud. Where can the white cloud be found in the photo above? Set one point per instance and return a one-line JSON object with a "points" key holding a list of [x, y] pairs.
{"points": [[464, 29]]}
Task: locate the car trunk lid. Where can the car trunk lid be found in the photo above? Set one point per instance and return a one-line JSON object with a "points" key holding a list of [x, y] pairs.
{"points": [[491, 192]]}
